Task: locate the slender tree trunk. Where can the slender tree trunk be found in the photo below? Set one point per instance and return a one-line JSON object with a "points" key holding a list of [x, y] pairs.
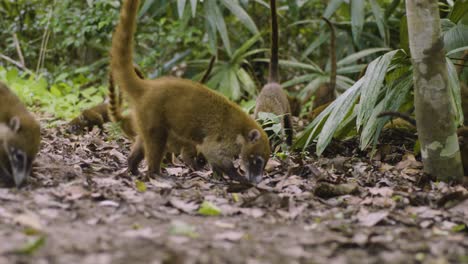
{"points": [[434, 113]]}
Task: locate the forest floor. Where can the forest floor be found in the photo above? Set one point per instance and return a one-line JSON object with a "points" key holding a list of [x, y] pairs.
{"points": [[81, 206]]}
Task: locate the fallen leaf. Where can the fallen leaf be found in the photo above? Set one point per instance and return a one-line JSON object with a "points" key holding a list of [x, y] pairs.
{"points": [[29, 219], [209, 209], [371, 219], [187, 207], [230, 236]]}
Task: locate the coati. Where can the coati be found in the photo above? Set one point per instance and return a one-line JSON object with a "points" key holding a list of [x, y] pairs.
{"points": [[19, 138], [186, 110], [272, 98], [326, 93], [90, 117], [188, 151], [462, 133]]}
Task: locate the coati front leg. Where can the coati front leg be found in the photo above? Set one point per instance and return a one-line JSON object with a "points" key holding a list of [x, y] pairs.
{"points": [[154, 144]]}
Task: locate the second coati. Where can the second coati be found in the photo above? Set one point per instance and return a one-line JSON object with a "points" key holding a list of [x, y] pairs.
{"points": [[462, 133], [90, 117], [188, 151], [272, 98], [20, 137], [186, 110]]}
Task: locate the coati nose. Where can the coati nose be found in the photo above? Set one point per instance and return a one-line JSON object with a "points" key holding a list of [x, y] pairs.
{"points": [[255, 178]]}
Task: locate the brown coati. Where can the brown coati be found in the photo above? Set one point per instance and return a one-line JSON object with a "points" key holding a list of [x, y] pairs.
{"points": [[189, 154], [20, 137], [462, 133], [90, 117], [186, 110], [272, 98]]}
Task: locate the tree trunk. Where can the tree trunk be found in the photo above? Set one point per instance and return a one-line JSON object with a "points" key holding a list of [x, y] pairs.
{"points": [[434, 113]]}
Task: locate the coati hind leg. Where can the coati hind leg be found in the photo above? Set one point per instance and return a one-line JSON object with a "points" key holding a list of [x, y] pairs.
{"points": [[137, 154]]}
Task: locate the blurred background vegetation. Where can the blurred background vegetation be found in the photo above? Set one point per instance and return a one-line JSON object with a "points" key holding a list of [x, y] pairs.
{"points": [[54, 54]]}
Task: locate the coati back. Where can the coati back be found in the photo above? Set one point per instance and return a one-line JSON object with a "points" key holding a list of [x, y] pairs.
{"points": [[186, 110], [272, 98], [188, 151], [90, 117], [19, 138], [326, 93]]}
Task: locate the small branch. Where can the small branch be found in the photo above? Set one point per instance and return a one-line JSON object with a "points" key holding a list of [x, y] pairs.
{"points": [[18, 49], [16, 63]]}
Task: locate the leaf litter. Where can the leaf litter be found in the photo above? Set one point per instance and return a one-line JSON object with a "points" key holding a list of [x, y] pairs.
{"points": [[81, 206]]}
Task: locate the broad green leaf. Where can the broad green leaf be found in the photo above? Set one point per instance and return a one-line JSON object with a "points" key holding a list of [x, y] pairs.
{"points": [[331, 8], [342, 105], [380, 20], [351, 69], [209, 209], [234, 85], [357, 18], [373, 80], [247, 83], [300, 79], [299, 65], [181, 7], [459, 10], [455, 91], [457, 50], [359, 55], [216, 20], [315, 44], [193, 3], [456, 37], [312, 87], [244, 48], [396, 93], [240, 13]]}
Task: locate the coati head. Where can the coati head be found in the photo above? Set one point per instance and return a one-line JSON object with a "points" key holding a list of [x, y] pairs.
{"points": [[15, 162], [255, 152], [78, 125]]}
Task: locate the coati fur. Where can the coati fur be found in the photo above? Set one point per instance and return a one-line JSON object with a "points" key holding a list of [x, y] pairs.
{"points": [[189, 154], [90, 117], [186, 110], [462, 133], [20, 137], [272, 98]]}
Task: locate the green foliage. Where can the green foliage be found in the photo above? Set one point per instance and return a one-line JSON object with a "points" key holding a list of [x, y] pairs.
{"points": [[61, 100]]}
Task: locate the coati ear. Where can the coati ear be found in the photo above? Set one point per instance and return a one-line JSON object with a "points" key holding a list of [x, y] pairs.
{"points": [[254, 135], [15, 123]]}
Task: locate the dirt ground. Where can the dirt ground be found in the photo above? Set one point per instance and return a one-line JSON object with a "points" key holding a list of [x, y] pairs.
{"points": [[81, 206]]}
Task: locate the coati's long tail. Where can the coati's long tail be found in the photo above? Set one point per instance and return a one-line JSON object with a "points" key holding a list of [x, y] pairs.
{"points": [[288, 129], [207, 73], [122, 51], [115, 102], [274, 75], [333, 66]]}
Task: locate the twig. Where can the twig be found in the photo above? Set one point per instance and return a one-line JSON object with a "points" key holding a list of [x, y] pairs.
{"points": [[16, 63], [18, 49], [45, 40]]}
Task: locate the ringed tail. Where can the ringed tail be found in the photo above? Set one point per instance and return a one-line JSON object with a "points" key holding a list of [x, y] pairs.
{"points": [[115, 102], [288, 129], [122, 51]]}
